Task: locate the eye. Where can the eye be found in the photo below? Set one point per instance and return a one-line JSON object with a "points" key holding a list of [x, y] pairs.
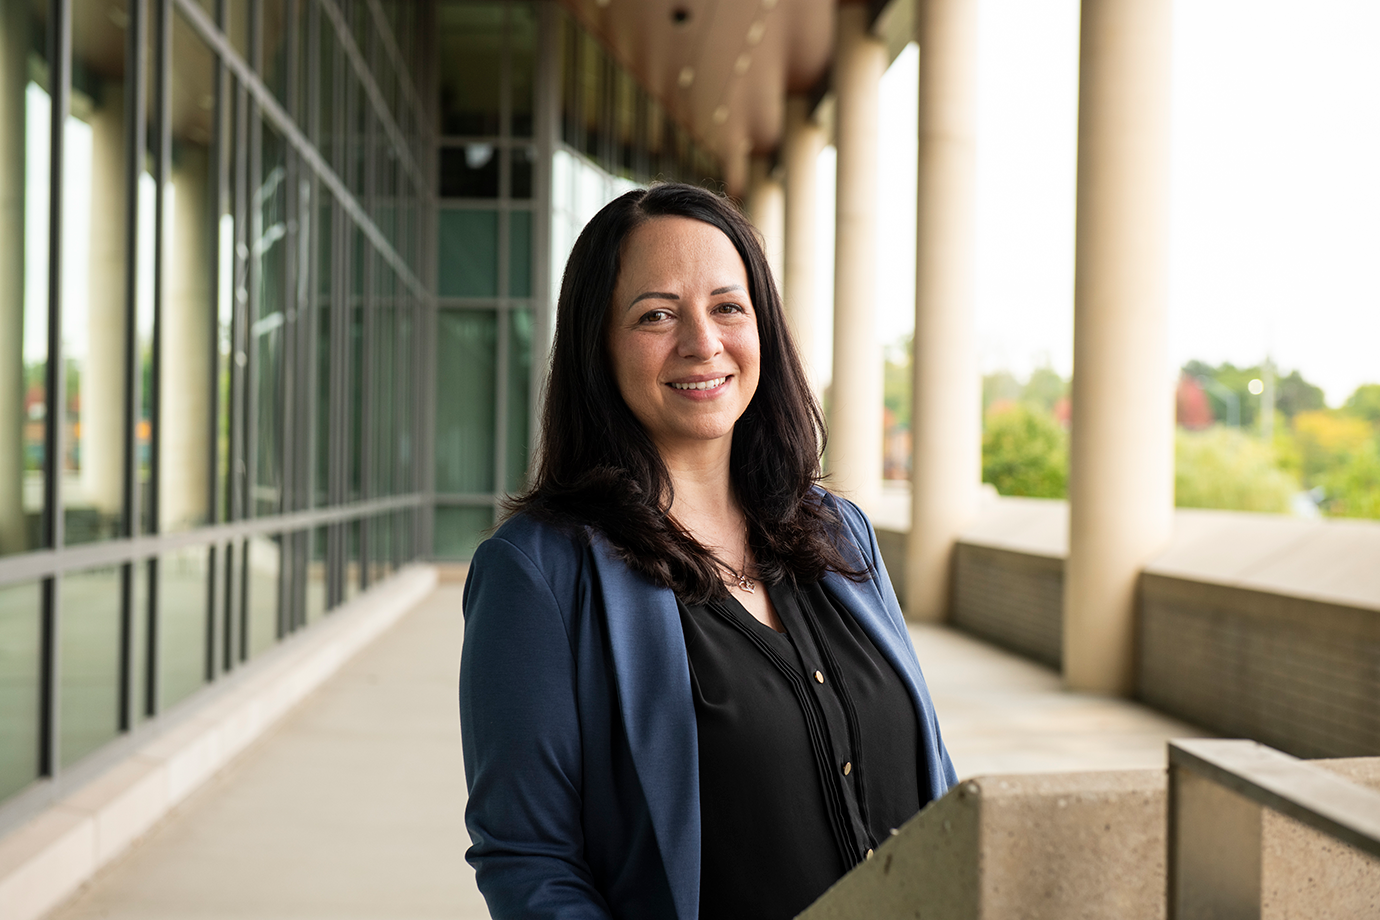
{"points": [[653, 316], [730, 308]]}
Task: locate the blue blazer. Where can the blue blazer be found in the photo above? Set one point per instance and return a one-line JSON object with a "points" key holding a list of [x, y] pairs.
{"points": [[578, 726]]}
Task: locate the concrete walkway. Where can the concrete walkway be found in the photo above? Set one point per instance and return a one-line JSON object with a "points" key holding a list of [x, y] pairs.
{"points": [[353, 806]]}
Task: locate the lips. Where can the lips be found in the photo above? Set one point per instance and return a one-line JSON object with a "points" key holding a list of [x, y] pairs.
{"points": [[701, 384]]}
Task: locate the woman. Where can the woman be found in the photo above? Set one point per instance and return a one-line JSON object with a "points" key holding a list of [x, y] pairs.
{"points": [[686, 689]]}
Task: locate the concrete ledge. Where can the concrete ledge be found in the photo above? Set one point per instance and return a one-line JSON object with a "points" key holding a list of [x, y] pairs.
{"points": [[45, 860], [1085, 845]]}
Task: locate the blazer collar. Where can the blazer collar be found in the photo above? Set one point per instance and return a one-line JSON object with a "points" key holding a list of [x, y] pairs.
{"points": [[648, 650]]}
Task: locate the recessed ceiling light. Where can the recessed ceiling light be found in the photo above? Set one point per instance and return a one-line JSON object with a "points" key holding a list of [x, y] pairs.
{"points": [[741, 65], [755, 31], [686, 77], [721, 115]]}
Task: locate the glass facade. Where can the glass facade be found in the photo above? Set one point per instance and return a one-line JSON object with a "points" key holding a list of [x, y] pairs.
{"points": [[537, 128], [215, 290]]}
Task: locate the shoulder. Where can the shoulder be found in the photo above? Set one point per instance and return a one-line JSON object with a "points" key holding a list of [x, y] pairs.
{"points": [[855, 526], [527, 549]]}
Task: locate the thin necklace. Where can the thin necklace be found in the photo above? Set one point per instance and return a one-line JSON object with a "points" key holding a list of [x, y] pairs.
{"points": [[744, 582]]}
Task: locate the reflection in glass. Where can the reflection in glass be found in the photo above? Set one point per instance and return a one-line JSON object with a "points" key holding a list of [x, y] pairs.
{"points": [[467, 253], [522, 39], [265, 563], [469, 60], [519, 391], [25, 120], [94, 245], [188, 310], [520, 254], [470, 171], [467, 341], [88, 662], [458, 530], [181, 623], [316, 575], [268, 244], [19, 696]]}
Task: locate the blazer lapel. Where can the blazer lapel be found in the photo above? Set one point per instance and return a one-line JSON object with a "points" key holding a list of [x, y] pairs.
{"points": [[653, 674]]}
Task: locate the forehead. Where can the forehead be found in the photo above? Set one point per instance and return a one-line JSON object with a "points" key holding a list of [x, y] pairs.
{"points": [[672, 247]]}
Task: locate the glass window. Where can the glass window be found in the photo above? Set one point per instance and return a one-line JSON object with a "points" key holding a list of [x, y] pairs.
{"points": [[593, 73], [182, 623], [265, 561], [273, 25], [268, 243], [469, 63], [352, 572], [19, 691], [520, 254], [188, 316], [94, 246], [519, 397], [522, 158], [458, 530], [522, 38], [470, 171], [89, 661], [466, 371], [329, 213], [237, 25], [25, 113], [467, 253], [316, 575]]}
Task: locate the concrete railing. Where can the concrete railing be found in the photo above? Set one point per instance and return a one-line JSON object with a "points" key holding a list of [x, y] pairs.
{"points": [[1250, 625], [1091, 846]]}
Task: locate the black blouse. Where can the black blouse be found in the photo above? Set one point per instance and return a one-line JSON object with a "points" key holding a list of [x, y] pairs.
{"points": [[807, 746]]}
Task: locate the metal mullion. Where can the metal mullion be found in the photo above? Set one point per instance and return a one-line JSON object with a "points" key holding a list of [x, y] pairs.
{"points": [[501, 316], [369, 307], [254, 222]]}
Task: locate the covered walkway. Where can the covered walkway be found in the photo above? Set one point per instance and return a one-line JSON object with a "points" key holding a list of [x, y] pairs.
{"points": [[353, 806]]}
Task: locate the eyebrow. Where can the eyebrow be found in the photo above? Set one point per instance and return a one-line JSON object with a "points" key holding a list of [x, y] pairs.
{"points": [[662, 295]]}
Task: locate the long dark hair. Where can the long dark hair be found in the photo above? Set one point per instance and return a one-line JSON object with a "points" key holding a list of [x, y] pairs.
{"points": [[598, 466]]}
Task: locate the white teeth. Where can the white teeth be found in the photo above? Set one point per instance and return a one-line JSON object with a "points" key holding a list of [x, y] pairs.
{"points": [[702, 385]]}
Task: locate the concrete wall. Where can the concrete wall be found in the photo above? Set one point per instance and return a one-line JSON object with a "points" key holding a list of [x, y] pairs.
{"points": [[1090, 846], [1250, 625]]}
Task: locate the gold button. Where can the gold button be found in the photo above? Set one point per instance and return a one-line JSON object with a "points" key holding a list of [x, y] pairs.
{"points": [[847, 767], [819, 677], [869, 853]]}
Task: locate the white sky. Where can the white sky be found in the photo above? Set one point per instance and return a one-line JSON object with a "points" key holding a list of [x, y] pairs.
{"points": [[1275, 234]]}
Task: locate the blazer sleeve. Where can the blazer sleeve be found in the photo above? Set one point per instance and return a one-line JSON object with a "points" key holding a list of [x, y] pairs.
{"points": [[520, 733]]}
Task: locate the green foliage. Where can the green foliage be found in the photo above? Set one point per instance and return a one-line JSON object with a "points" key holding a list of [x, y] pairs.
{"points": [[896, 381], [1352, 489], [1326, 440], [1000, 387], [1222, 467], [1025, 452], [1365, 403], [1044, 389], [1293, 395]]}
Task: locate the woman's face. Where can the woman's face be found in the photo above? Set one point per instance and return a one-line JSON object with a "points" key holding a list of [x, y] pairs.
{"points": [[683, 334]]}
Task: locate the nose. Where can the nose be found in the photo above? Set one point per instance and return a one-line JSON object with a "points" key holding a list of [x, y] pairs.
{"points": [[699, 337]]}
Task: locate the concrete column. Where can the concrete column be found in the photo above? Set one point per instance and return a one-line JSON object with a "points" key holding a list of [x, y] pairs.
{"points": [[946, 412], [766, 209], [855, 404], [1121, 477], [800, 151], [188, 314], [13, 54], [103, 373]]}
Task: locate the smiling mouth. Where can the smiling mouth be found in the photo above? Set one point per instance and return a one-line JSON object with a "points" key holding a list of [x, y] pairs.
{"points": [[701, 385]]}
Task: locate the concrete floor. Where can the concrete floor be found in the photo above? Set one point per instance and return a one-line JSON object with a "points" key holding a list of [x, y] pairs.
{"points": [[353, 806]]}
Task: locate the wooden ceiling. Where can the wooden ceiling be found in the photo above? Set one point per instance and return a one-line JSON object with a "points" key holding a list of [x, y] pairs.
{"points": [[722, 67]]}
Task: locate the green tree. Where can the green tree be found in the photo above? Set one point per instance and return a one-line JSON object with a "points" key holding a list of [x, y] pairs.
{"points": [[1000, 387], [1044, 389], [1352, 489], [1365, 403], [1225, 468], [1293, 395], [1025, 452]]}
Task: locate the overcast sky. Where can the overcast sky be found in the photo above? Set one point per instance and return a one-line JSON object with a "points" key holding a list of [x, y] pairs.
{"points": [[1275, 238]]}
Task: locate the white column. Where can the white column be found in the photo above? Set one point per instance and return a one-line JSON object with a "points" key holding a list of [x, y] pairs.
{"points": [[103, 376], [766, 210], [800, 151], [946, 413], [14, 20], [855, 401], [186, 342], [1121, 476]]}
